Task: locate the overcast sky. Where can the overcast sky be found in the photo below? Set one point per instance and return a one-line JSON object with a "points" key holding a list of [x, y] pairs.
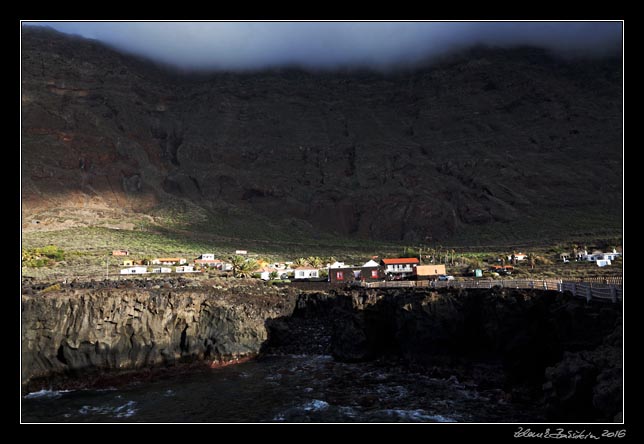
{"points": [[243, 45]]}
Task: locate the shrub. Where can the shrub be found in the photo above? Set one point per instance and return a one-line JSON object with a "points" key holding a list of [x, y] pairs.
{"points": [[52, 252], [41, 257], [55, 287]]}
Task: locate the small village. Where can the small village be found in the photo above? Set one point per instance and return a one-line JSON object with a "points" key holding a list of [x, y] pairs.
{"points": [[241, 264]]}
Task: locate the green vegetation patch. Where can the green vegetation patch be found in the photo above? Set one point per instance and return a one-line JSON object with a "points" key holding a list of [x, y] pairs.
{"points": [[44, 256]]}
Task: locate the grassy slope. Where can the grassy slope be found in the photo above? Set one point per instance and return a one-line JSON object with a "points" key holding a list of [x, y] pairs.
{"points": [[87, 249]]}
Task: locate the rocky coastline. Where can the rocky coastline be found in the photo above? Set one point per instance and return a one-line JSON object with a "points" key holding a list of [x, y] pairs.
{"points": [[530, 346]]}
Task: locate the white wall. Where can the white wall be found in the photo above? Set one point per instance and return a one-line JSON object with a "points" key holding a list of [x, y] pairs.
{"points": [[306, 274]]}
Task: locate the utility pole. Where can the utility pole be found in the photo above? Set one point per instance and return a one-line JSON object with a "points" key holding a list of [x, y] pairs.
{"points": [[107, 266]]}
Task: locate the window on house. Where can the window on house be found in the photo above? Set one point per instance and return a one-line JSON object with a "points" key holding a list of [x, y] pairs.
{"points": [[339, 275], [374, 274], [300, 273]]}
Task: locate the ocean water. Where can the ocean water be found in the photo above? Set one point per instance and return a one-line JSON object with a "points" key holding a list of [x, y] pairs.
{"points": [[282, 388]]}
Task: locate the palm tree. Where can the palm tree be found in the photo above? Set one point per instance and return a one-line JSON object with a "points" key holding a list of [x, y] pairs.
{"points": [[237, 262], [300, 262], [247, 268], [532, 259], [273, 275], [314, 261]]}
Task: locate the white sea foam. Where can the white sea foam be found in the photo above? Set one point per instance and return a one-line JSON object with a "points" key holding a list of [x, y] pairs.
{"points": [[315, 405], [126, 410], [51, 394], [122, 411], [418, 415]]}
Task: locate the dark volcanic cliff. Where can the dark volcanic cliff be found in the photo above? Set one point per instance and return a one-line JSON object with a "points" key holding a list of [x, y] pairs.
{"points": [[535, 345], [509, 140], [78, 333]]}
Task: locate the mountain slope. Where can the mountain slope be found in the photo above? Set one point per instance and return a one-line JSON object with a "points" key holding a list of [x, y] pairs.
{"points": [[491, 142]]}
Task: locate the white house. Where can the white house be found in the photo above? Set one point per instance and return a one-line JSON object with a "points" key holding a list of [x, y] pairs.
{"points": [[134, 270], [162, 270], [597, 255], [306, 273], [242, 252], [602, 262], [518, 257], [207, 257], [265, 273], [612, 256], [214, 263], [185, 269]]}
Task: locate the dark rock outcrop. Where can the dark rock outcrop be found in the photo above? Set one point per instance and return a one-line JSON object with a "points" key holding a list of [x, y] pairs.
{"points": [[532, 345], [88, 331], [588, 383], [547, 346]]}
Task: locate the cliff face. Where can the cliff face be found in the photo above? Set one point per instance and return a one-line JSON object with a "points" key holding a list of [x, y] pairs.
{"points": [[77, 333], [484, 139], [536, 345]]}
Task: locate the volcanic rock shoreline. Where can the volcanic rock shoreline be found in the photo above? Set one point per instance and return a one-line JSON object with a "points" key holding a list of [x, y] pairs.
{"points": [[537, 346]]}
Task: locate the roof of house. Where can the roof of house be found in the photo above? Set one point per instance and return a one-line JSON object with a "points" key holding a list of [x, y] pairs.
{"points": [[400, 260], [371, 263], [206, 261], [170, 259], [306, 268]]}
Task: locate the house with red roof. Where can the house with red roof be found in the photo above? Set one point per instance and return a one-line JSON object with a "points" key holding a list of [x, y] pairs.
{"points": [[400, 267]]}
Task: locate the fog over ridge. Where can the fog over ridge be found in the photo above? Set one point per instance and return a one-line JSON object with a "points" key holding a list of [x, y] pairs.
{"points": [[330, 45]]}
